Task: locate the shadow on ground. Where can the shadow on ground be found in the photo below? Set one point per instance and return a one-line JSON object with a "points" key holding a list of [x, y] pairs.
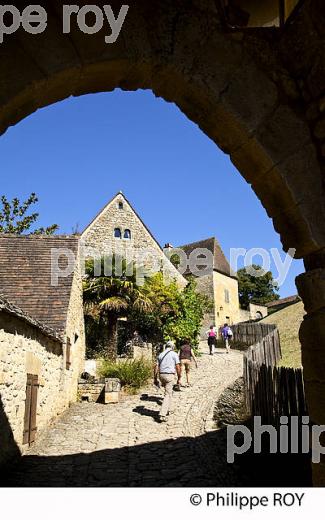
{"points": [[184, 462]]}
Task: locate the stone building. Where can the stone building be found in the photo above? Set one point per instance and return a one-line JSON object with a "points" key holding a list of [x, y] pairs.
{"points": [[42, 343], [219, 283], [118, 229]]}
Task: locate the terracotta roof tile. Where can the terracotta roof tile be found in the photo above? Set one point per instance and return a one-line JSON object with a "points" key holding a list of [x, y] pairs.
{"points": [[12, 309], [25, 277]]}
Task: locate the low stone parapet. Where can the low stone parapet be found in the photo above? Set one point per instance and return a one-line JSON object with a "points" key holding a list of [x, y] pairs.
{"points": [[105, 391], [112, 390]]}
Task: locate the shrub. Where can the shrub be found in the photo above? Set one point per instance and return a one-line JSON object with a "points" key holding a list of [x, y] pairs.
{"points": [[133, 374]]}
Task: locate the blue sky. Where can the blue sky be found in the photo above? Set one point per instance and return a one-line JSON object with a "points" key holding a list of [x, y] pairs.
{"points": [[78, 153]]}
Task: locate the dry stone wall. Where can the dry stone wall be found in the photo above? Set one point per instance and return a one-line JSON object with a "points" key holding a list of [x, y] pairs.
{"points": [[25, 350], [75, 334]]}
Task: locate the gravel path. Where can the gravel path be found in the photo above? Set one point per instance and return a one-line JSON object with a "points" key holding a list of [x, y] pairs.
{"points": [[125, 445]]}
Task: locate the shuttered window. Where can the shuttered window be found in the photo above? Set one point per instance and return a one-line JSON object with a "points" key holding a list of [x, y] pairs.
{"points": [[30, 426], [68, 356]]}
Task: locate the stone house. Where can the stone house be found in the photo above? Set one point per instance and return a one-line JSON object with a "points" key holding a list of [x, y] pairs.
{"points": [[42, 341], [219, 283], [118, 229]]}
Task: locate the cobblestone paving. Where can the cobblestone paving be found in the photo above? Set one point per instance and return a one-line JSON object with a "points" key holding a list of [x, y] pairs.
{"points": [[125, 445]]}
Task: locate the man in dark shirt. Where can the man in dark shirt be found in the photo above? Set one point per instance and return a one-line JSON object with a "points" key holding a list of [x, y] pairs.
{"points": [[186, 355]]}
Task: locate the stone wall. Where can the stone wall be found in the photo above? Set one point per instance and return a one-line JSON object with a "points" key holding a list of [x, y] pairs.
{"points": [[252, 312], [204, 285], [75, 334], [91, 392], [144, 351], [214, 286], [26, 350], [243, 315], [257, 309], [225, 311], [99, 237]]}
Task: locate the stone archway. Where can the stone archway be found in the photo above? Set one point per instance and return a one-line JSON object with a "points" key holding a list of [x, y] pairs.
{"points": [[257, 95]]}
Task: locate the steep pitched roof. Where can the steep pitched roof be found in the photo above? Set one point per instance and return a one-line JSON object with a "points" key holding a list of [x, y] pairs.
{"points": [[220, 263], [9, 308], [25, 277], [122, 196]]}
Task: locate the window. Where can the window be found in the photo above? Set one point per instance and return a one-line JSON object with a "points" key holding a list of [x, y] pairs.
{"points": [[120, 205], [117, 233], [227, 296], [30, 427], [127, 234]]}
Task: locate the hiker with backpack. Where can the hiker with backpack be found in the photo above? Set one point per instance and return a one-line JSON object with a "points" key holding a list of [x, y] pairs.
{"points": [[168, 365], [212, 339], [227, 335]]}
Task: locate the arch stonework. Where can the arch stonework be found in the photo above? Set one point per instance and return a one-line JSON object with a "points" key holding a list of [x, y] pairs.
{"points": [[258, 94]]}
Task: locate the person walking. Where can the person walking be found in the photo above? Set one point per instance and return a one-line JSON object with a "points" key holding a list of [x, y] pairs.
{"points": [[186, 355], [168, 365], [227, 335], [212, 339]]}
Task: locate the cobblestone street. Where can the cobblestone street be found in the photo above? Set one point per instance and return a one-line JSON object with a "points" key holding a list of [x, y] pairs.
{"points": [[125, 445]]}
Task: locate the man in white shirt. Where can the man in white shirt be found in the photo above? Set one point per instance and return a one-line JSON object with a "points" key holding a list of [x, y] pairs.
{"points": [[168, 365]]}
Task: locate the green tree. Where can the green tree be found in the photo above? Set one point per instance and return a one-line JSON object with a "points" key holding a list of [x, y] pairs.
{"points": [[188, 322], [109, 298], [176, 314], [166, 306], [256, 289], [14, 218]]}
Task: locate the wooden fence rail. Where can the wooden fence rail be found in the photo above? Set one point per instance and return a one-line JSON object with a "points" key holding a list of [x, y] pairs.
{"points": [[270, 391], [251, 333]]}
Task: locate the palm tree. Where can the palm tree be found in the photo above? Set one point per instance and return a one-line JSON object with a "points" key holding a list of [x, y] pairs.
{"points": [[108, 298]]}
